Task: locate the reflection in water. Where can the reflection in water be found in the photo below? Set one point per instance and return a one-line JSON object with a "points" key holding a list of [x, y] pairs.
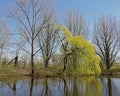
{"points": [[46, 87], [109, 87], [65, 87], [69, 86], [31, 85], [14, 86]]}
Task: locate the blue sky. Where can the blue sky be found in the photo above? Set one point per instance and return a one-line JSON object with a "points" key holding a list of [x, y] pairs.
{"points": [[90, 9]]}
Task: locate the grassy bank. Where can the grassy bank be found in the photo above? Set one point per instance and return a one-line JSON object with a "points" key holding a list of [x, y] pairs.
{"points": [[40, 71], [53, 71], [26, 71], [113, 71]]}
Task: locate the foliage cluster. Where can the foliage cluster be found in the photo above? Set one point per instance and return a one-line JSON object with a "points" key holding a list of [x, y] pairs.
{"points": [[83, 53]]}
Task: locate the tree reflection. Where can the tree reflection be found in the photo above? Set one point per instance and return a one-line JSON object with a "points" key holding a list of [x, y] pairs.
{"points": [[109, 87], [31, 85], [14, 87], [65, 87], [46, 90], [89, 86], [75, 87], [46, 87], [11, 85]]}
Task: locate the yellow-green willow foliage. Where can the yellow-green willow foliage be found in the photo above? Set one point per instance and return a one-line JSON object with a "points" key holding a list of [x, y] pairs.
{"points": [[84, 57], [92, 85]]}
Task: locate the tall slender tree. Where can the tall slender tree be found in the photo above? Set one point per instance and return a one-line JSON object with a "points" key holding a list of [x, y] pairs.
{"points": [[107, 30], [47, 41]]}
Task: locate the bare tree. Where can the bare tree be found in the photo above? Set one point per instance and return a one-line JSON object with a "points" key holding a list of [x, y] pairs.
{"points": [[47, 41], [4, 35], [76, 24], [107, 42], [31, 15]]}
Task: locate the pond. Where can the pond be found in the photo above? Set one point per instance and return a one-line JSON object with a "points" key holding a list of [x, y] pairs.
{"points": [[68, 86]]}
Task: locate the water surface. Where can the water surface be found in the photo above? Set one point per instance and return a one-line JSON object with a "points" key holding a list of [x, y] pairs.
{"points": [[69, 86]]}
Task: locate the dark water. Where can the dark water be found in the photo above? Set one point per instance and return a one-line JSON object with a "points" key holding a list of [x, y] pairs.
{"points": [[69, 86]]}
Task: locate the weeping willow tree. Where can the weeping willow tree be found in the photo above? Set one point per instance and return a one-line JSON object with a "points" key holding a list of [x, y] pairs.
{"points": [[82, 52]]}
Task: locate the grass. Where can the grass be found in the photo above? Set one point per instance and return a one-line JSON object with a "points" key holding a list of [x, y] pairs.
{"points": [[14, 71], [40, 71], [26, 71], [51, 71], [113, 71]]}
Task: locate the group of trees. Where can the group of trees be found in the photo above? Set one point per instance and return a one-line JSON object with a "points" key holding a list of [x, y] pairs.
{"points": [[35, 20]]}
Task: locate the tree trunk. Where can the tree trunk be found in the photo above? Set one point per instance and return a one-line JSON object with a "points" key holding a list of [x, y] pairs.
{"points": [[107, 65], [32, 58], [46, 63], [16, 61], [1, 54], [32, 65], [65, 63]]}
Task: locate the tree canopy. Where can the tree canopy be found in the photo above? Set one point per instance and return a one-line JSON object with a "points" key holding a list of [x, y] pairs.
{"points": [[83, 53]]}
